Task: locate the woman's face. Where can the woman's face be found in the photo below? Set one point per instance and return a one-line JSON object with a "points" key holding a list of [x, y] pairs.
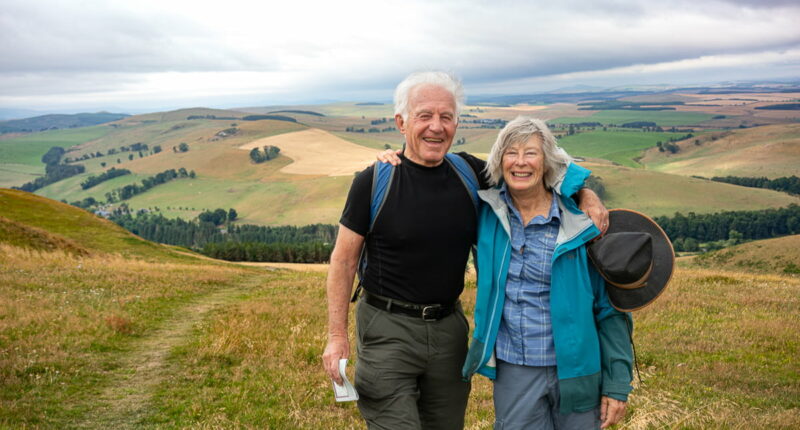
{"points": [[523, 165]]}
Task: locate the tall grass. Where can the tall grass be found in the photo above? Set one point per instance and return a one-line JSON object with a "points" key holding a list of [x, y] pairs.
{"points": [[718, 349]]}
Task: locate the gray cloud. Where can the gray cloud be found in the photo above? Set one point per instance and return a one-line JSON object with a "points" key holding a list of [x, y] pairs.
{"points": [[118, 50]]}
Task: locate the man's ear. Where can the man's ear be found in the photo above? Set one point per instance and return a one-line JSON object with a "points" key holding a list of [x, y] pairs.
{"points": [[401, 124]]}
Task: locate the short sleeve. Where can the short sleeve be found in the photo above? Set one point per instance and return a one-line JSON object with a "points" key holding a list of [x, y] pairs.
{"points": [[355, 215]]}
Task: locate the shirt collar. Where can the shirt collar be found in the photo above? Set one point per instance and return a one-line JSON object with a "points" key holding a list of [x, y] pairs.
{"points": [[555, 211]]}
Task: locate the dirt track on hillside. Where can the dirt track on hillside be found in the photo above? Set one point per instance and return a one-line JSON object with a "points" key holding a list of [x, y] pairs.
{"points": [[317, 152]]}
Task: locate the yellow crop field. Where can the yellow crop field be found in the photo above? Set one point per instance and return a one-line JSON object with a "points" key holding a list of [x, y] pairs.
{"points": [[317, 152]]}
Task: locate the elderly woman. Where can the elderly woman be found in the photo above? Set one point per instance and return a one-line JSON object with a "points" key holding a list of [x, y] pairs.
{"points": [[545, 332]]}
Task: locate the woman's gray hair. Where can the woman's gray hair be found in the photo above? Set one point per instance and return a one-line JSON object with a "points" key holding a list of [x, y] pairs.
{"points": [[519, 130], [441, 79]]}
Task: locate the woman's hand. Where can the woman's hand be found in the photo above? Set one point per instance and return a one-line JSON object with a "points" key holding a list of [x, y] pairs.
{"points": [[611, 411], [390, 156]]}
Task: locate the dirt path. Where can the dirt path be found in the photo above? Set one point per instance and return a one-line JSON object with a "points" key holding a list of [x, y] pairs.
{"points": [[123, 404]]}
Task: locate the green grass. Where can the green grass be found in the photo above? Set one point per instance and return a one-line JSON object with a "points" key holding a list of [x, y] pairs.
{"points": [[29, 149], [618, 146], [619, 117]]}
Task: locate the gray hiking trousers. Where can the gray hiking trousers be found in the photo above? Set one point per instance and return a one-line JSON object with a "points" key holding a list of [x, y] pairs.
{"points": [[408, 374]]}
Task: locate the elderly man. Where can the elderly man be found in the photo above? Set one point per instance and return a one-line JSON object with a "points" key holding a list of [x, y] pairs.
{"points": [[408, 373]]}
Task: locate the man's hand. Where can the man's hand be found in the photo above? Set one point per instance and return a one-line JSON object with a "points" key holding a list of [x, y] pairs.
{"points": [[390, 156], [338, 347], [611, 411], [591, 205]]}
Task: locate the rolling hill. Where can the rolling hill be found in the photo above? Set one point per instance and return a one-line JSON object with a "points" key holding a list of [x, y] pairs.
{"points": [[771, 151], [656, 193], [778, 255], [35, 222]]}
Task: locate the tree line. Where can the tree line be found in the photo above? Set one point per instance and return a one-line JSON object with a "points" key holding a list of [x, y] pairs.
{"points": [[109, 174], [54, 170], [131, 190], [688, 231], [247, 242], [786, 184]]}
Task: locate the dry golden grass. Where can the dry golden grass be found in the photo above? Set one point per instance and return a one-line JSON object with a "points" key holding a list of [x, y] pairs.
{"points": [[778, 255], [318, 152]]}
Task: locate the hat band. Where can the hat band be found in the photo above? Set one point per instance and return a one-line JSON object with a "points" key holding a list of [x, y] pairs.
{"points": [[635, 284]]}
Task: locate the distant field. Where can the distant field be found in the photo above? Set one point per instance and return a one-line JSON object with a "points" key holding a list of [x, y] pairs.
{"points": [[618, 146], [28, 149], [771, 151], [619, 117], [655, 193]]}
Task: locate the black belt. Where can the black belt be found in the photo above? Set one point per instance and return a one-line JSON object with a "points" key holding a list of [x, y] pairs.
{"points": [[426, 312]]}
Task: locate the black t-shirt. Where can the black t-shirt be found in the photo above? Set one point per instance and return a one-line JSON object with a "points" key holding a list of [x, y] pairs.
{"points": [[420, 241]]}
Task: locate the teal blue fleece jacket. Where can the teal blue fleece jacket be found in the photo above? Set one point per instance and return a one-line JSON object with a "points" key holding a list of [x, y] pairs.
{"points": [[592, 341]]}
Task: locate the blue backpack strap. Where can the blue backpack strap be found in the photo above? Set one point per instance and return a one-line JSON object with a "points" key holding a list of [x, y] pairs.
{"points": [[467, 175], [382, 175]]}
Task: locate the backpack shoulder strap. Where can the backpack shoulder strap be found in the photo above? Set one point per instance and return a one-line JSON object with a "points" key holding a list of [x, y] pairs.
{"points": [[466, 174], [382, 175]]}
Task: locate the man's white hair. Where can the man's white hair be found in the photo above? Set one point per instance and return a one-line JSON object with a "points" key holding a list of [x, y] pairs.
{"points": [[520, 130], [438, 78]]}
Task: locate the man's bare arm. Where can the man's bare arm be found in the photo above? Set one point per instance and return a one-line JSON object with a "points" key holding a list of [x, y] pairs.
{"points": [[591, 205], [342, 270]]}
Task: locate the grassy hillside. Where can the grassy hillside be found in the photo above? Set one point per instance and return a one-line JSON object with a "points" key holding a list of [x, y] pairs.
{"points": [[656, 193], [96, 340], [778, 255], [771, 151], [43, 224]]}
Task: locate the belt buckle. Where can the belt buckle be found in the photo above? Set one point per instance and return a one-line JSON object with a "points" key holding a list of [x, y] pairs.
{"points": [[428, 310]]}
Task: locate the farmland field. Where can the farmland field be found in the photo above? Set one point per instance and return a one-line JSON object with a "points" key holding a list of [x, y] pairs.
{"points": [[619, 146], [28, 150]]}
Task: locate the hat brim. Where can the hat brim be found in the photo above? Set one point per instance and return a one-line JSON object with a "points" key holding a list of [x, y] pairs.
{"points": [[627, 300]]}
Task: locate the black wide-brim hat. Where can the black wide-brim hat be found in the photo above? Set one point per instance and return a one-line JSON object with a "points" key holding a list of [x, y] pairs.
{"points": [[635, 257]]}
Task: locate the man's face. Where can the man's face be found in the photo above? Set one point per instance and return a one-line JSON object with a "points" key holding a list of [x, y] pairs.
{"points": [[431, 124]]}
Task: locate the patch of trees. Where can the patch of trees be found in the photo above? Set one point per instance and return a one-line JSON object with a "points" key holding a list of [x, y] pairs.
{"points": [[305, 112], [54, 171], [273, 117], [109, 174], [459, 141], [378, 121], [688, 231], [314, 252], [182, 147], [639, 124], [671, 147], [270, 152], [353, 129], [131, 190], [218, 216], [226, 118], [305, 244], [786, 184], [784, 106], [623, 105]]}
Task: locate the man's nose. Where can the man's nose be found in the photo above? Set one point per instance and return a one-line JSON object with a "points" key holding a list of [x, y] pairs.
{"points": [[436, 124]]}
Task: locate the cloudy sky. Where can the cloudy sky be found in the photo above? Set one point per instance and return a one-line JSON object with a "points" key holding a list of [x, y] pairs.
{"points": [[159, 54]]}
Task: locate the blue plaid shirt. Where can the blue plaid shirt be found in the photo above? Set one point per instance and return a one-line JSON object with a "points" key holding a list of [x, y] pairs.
{"points": [[526, 336]]}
